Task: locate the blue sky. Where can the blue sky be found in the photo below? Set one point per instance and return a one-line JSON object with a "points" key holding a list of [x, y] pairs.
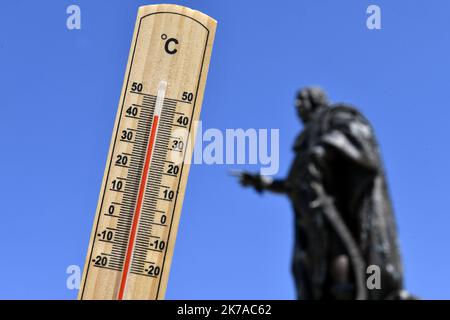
{"points": [[60, 91]]}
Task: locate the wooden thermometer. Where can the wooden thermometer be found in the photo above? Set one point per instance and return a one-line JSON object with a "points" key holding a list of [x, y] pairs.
{"points": [[142, 192]]}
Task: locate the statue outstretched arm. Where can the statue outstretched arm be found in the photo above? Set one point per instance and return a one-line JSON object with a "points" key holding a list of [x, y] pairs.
{"points": [[262, 183]]}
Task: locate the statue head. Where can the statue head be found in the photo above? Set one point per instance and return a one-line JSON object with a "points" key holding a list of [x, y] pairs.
{"points": [[308, 101]]}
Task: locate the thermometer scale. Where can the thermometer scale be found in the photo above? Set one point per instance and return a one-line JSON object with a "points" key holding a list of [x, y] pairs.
{"points": [[139, 207]]}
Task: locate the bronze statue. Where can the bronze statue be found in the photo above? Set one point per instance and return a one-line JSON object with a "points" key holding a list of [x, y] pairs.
{"points": [[343, 214]]}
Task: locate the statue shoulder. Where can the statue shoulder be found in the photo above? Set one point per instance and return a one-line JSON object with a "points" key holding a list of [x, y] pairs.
{"points": [[344, 115], [343, 111], [347, 130]]}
